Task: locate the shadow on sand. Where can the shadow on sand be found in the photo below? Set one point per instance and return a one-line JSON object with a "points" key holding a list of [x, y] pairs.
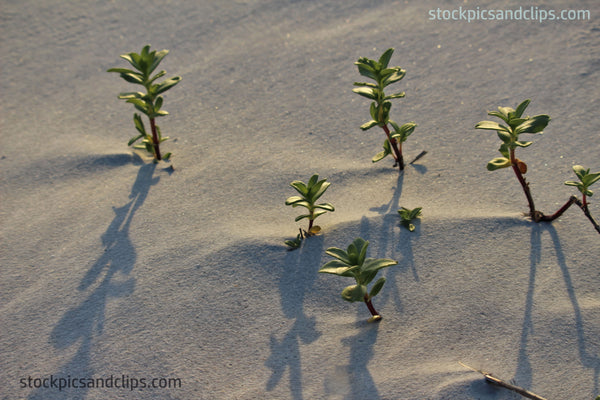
{"points": [[588, 358], [80, 325]]}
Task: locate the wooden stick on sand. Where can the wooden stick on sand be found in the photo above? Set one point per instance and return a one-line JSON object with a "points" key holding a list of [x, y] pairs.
{"points": [[492, 379]]}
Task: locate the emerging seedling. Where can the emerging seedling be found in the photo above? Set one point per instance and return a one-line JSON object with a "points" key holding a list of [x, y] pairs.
{"points": [[407, 216], [586, 179], [352, 263], [515, 125], [309, 194], [149, 103], [381, 105]]}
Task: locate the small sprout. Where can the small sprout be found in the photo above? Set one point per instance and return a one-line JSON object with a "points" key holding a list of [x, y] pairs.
{"points": [[408, 215], [383, 75], [309, 194], [585, 180], [352, 263], [149, 103], [295, 243]]}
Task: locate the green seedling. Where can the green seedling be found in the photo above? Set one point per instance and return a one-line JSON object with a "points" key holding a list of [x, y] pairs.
{"points": [[309, 194], [149, 103], [352, 263], [297, 242], [586, 179], [408, 215], [514, 125], [383, 75]]}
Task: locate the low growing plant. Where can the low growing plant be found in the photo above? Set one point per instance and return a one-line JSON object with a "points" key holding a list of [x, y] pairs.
{"points": [[354, 264], [383, 75], [149, 103], [516, 124], [309, 194], [407, 215], [586, 179]]}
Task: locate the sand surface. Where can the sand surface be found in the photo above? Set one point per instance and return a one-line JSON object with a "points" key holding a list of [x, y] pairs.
{"points": [[113, 266]]}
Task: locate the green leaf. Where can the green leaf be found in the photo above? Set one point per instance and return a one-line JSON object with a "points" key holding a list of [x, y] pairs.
{"points": [[158, 103], [521, 108], [368, 125], [301, 217], [376, 288], [492, 126], [385, 58], [325, 206], [134, 139], [385, 111], [337, 267], [533, 125], [339, 254], [317, 190], [367, 92], [300, 187], [354, 293], [499, 115], [167, 84], [139, 125], [138, 102], [365, 69], [133, 78], [497, 163], [395, 96], [158, 56], [374, 111], [403, 132], [395, 77], [523, 144], [504, 136], [375, 264], [365, 84], [131, 95], [506, 111], [382, 154]]}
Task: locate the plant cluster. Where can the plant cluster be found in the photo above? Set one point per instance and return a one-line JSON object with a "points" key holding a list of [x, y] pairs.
{"points": [[516, 124], [383, 76], [150, 102]]}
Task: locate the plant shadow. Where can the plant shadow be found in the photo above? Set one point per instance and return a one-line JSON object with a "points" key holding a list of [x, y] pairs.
{"points": [[587, 357], [390, 244], [362, 385], [85, 322], [301, 272]]}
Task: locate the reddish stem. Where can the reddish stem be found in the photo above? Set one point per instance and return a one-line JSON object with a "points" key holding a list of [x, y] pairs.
{"points": [[524, 184], [155, 141], [370, 306], [565, 207], [394, 144]]}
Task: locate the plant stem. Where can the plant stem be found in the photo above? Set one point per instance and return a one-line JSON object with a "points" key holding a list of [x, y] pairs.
{"points": [[155, 141], [370, 306], [565, 207], [572, 200], [532, 212], [394, 144], [586, 211]]}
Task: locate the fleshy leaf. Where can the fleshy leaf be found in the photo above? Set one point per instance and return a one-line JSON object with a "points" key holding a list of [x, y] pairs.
{"points": [[497, 163], [376, 287], [354, 293]]}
